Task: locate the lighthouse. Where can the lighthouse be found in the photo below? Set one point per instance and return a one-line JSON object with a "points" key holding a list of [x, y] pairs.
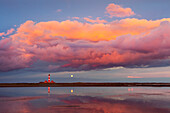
{"points": [[48, 81], [49, 78]]}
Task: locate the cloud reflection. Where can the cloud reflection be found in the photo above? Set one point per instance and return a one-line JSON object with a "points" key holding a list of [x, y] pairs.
{"points": [[74, 103]]}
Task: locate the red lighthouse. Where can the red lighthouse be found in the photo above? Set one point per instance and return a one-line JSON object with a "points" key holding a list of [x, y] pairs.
{"points": [[49, 78], [49, 81]]}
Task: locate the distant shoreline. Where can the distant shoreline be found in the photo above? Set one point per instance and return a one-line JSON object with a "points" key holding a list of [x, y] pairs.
{"points": [[81, 84]]}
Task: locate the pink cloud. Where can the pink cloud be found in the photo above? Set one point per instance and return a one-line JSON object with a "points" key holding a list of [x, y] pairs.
{"points": [[12, 56], [88, 31], [133, 77], [76, 18], [95, 21], [117, 11], [2, 34], [58, 10], [10, 31], [64, 46], [90, 16]]}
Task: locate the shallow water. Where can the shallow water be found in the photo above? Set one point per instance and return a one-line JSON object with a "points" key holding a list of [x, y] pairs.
{"points": [[85, 100]]}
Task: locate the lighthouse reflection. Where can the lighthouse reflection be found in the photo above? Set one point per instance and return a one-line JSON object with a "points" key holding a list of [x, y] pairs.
{"points": [[48, 90], [71, 91]]}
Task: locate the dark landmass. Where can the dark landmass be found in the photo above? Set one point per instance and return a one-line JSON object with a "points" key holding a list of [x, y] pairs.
{"points": [[80, 84]]}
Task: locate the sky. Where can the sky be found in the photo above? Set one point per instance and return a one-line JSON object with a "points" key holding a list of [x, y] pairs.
{"points": [[95, 40]]}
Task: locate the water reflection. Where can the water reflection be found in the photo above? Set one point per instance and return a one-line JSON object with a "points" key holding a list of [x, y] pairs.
{"points": [[130, 89], [71, 91], [49, 90], [91, 100]]}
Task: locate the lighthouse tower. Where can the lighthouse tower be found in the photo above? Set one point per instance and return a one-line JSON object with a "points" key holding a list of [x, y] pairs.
{"points": [[49, 78]]}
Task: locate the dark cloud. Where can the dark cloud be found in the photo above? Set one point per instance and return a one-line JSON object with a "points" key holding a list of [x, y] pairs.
{"points": [[26, 49]]}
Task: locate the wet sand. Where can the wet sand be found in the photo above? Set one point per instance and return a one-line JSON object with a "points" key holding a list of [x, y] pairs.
{"points": [[79, 84]]}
